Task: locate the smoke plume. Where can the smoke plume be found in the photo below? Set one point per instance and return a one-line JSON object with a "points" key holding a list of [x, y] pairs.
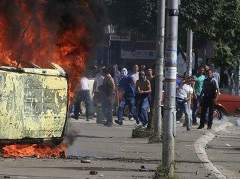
{"points": [[43, 31]]}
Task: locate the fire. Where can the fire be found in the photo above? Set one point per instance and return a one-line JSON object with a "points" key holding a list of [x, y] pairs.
{"points": [[35, 150], [44, 31]]}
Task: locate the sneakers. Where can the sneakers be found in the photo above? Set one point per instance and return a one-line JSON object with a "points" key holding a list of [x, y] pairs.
{"points": [[178, 122], [118, 122], [131, 119], [144, 126]]}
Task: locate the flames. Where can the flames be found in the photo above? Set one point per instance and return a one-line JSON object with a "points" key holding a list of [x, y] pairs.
{"points": [[35, 150], [44, 31], [65, 32]]}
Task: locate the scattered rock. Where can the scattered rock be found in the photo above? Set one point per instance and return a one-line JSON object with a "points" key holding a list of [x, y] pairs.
{"points": [[93, 172]]}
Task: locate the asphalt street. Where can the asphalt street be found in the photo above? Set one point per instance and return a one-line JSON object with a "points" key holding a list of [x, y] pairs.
{"points": [[111, 152]]}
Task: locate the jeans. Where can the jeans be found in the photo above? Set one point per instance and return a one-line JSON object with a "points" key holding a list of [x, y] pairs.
{"points": [[131, 103], [83, 95], [196, 104], [183, 107], [142, 109], [107, 108], [207, 104]]}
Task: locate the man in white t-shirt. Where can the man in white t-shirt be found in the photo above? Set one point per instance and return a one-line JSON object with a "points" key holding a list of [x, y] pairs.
{"points": [[83, 94], [135, 73], [183, 95]]}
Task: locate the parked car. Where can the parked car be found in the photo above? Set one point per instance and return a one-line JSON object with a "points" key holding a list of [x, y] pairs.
{"points": [[226, 105]]}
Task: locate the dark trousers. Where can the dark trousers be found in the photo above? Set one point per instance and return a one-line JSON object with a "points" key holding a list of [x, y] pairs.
{"points": [[83, 95], [107, 108], [207, 103]]}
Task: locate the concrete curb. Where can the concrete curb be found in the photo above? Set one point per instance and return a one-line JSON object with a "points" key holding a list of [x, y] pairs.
{"points": [[199, 147]]}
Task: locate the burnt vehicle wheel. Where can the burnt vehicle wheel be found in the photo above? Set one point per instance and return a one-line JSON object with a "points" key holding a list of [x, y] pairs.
{"points": [[126, 111], [217, 113]]}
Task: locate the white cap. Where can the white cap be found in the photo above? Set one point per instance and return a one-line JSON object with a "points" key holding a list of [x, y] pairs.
{"points": [[124, 72]]}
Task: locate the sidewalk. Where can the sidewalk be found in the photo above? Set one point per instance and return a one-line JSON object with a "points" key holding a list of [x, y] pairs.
{"points": [[116, 155]]}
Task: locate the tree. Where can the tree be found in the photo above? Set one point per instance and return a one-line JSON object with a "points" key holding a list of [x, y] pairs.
{"points": [[215, 20]]}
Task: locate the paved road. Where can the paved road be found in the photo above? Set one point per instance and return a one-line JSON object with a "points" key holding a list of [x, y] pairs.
{"points": [[224, 152], [113, 153]]}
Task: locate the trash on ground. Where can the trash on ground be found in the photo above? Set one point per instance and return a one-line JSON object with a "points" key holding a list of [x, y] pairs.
{"points": [[85, 161]]}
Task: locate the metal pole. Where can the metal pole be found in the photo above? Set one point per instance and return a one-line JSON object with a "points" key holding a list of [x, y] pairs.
{"points": [[159, 68], [189, 51], [237, 80], [169, 119]]}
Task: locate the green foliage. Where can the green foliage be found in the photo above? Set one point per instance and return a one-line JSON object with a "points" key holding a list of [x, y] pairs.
{"points": [[215, 20]]}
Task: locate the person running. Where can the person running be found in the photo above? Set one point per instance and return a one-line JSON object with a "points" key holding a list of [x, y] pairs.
{"points": [[128, 85], [209, 95], [199, 78], [143, 89]]}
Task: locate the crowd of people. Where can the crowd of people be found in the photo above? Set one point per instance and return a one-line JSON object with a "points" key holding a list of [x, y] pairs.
{"points": [[201, 88], [138, 88]]}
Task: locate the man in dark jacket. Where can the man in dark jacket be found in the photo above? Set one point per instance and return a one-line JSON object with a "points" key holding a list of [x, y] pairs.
{"points": [[209, 96]]}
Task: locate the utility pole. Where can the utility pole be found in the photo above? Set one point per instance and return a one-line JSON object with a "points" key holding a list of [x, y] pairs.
{"points": [[189, 51], [237, 80], [159, 68], [169, 120]]}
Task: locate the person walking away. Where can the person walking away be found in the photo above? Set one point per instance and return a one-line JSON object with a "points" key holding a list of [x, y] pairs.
{"points": [[143, 89], [183, 96], [199, 78], [83, 94], [209, 96], [128, 85], [107, 90], [135, 73]]}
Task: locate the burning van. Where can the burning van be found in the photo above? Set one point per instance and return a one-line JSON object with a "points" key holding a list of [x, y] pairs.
{"points": [[33, 104]]}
